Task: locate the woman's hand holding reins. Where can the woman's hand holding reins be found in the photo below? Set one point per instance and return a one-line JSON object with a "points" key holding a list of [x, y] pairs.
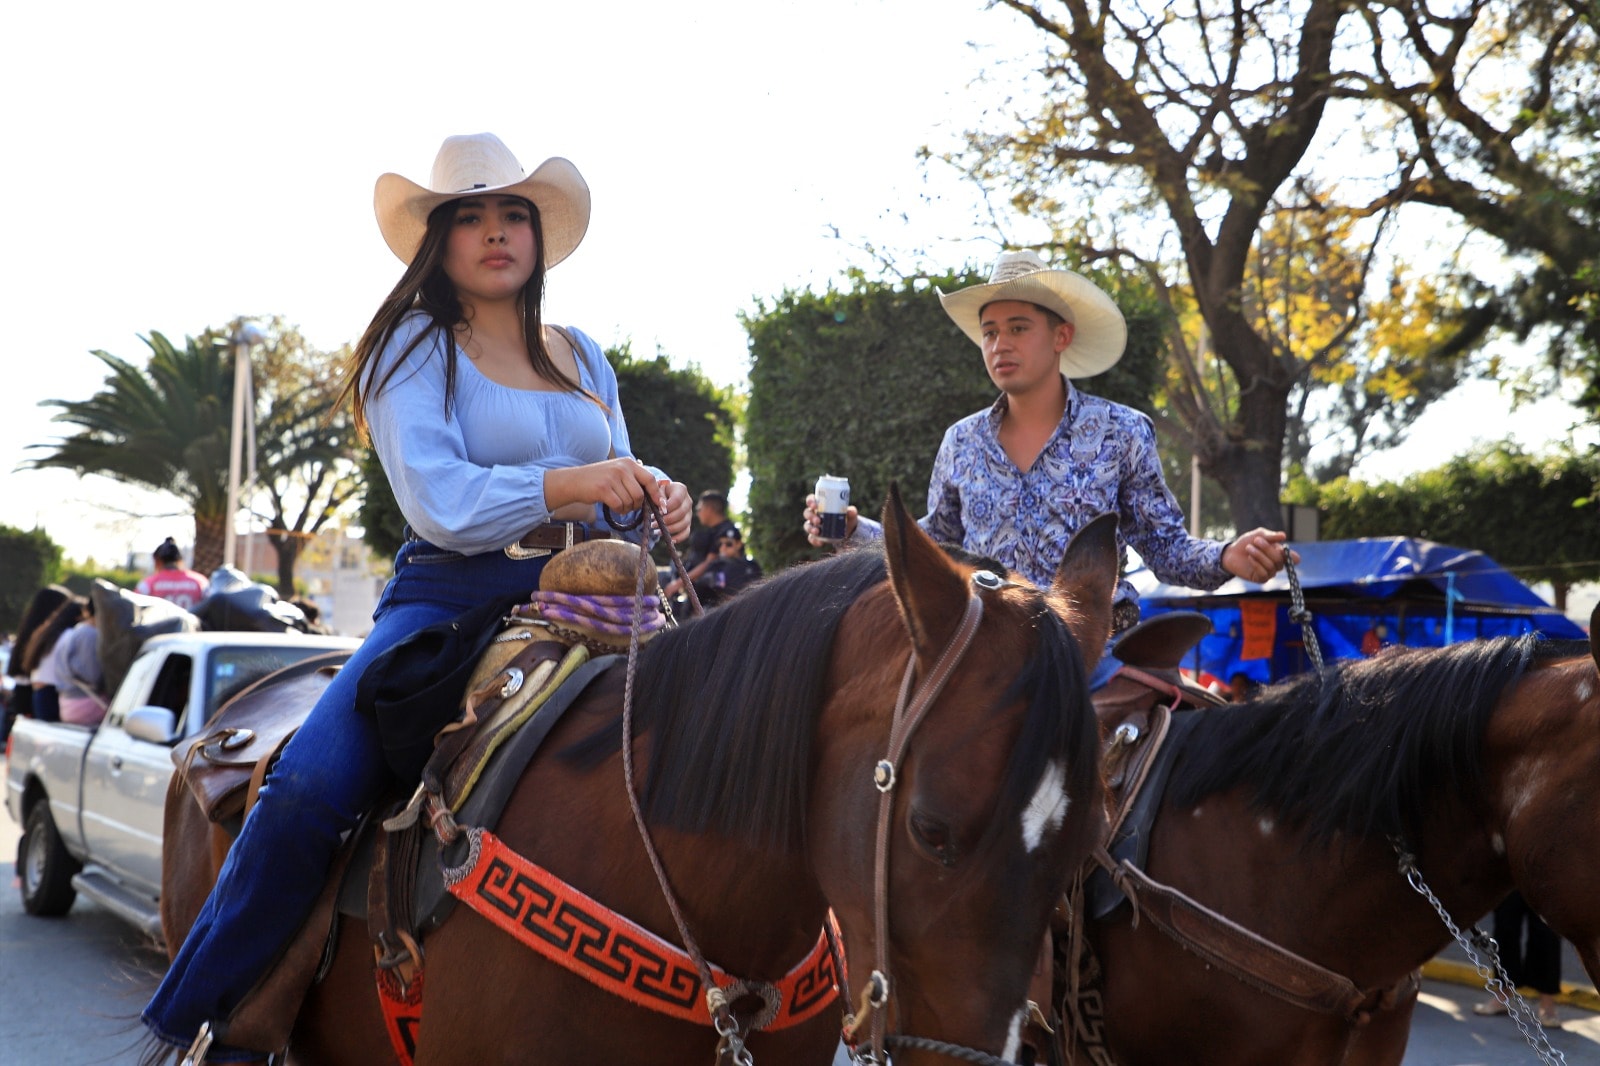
{"points": [[622, 484]]}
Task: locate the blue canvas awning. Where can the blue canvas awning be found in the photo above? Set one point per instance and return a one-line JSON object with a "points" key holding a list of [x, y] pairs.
{"points": [[1378, 590]]}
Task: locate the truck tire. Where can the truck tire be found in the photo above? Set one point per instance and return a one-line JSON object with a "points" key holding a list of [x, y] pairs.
{"points": [[46, 867]]}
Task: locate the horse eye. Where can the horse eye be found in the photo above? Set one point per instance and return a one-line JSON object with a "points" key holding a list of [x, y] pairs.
{"points": [[934, 837]]}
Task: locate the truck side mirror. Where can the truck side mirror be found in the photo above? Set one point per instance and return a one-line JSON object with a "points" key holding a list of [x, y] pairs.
{"points": [[158, 725]]}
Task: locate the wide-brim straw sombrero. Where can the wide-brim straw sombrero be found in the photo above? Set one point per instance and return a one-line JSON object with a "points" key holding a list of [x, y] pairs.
{"points": [[480, 164], [1099, 331]]}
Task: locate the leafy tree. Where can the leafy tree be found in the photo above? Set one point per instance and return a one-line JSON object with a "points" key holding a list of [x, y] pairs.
{"points": [[164, 426], [864, 383], [167, 426], [1197, 141], [306, 457], [678, 420], [29, 560], [383, 526], [1537, 515], [1494, 101]]}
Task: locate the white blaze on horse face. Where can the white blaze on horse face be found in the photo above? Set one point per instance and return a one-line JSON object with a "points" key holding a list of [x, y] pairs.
{"points": [[1266, 825], [1047, 808], [1014, 1036]]}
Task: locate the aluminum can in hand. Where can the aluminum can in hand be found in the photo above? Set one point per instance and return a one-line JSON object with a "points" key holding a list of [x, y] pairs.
{"points": [[833, 496]]}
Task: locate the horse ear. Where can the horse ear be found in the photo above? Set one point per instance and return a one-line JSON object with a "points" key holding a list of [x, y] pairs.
{"points": [[931, 590], [1087, 577]]}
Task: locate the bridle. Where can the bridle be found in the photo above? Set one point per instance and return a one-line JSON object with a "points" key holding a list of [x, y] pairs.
{"points": [[911, 707]]}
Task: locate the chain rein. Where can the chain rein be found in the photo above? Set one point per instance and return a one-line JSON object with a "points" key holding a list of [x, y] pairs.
{"points": [[1495, 979]]}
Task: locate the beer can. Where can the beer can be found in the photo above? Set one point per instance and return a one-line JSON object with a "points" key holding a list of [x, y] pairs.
{"points": [[833, 496]]}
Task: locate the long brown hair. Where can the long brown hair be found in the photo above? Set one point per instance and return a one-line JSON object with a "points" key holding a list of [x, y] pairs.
{"points": [[425, 287], [72, 611]]}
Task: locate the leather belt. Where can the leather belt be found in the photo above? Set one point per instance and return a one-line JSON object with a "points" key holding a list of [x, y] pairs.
{"points": [[553, 537]]}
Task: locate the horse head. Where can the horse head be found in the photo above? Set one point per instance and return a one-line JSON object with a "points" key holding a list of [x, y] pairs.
{"points": [[944, 875]]}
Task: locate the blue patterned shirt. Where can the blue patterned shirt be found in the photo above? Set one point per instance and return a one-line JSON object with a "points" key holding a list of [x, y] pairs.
{"points": [[1102, 457]]}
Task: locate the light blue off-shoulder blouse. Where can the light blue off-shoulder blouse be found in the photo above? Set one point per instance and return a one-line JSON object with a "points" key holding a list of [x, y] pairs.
{"points": [[471, 479]]}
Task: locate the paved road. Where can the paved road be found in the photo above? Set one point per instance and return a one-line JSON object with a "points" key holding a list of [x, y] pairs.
{"points": [[71, 990]]}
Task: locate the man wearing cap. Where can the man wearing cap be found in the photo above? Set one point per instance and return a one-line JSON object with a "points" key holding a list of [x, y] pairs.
{"points": [[171, 581], [1016, 481], [729, 570]]}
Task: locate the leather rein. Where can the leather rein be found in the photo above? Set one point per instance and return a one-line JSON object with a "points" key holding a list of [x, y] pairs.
{"points": [[911, 707]]}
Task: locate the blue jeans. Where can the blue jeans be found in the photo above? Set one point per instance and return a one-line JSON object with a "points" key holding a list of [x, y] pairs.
{"points": [[329, 774]]}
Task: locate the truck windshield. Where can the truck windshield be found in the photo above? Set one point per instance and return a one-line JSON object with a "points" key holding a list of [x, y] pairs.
{"points": [[235, 669]]}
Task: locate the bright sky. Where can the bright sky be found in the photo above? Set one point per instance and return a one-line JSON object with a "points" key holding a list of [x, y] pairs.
{"points": [[176, 164]]}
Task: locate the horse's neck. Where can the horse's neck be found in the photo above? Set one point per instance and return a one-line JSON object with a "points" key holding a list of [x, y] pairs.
{"points": [[1344, 905]]}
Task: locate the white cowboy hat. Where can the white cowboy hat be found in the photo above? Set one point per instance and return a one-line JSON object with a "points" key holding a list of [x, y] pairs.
{"points": [[1099, 331], [478, 163]]}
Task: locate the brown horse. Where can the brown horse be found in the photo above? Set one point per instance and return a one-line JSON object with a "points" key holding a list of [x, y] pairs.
{"points": [[757, 731], [1289, 814]]}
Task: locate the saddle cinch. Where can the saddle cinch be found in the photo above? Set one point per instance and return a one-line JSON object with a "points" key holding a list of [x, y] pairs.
{"points": [[531, 670]]}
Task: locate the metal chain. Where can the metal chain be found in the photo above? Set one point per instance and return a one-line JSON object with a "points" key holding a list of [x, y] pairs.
{"points": [[1495, 979], [1298, 612]]}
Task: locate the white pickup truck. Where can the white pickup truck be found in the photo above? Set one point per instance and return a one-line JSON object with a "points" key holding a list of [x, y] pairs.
{"points": [[90, 800]]}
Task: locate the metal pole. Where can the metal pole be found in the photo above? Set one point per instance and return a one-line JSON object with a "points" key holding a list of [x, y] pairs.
{"points": [[246, 337]]}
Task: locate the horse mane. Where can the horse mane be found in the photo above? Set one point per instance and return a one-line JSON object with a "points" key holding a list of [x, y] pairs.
{"points": [[1364, 749], [732, 699]]}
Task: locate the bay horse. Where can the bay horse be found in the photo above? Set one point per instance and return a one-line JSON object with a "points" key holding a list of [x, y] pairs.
{"points": [[760, 729], [1301, 814]]}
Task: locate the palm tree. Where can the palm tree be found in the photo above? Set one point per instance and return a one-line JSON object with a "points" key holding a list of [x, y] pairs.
{"points": [[167, 426], [164, 426]]}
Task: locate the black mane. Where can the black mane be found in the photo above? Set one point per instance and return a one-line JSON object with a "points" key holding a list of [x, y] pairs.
{"points": [[732, 700], [1367, 748]]}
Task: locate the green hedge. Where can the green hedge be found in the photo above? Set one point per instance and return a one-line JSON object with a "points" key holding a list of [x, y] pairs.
{"points": [[864, 382]]}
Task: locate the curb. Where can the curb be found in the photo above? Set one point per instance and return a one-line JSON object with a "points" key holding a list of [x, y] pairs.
{"points": [[1459, 973]]}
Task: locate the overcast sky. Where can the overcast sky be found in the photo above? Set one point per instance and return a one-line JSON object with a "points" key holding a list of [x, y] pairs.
{"points": [[174, 165]]}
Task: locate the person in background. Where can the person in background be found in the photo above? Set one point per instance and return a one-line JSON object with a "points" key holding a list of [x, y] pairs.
{"points": [[502, 438], [41, 606], [80, 680], [729, 571], [1530, 951], [711, 511], [171, 581], [1016, 481], [39, 661]]}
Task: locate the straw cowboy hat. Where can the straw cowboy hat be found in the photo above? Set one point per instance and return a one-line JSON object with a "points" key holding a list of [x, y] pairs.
{"points": [[1099, 331], [478, 163]]}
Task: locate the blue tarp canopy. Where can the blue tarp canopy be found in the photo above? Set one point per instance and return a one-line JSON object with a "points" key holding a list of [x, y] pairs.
{"points": [[1362, 593]]}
